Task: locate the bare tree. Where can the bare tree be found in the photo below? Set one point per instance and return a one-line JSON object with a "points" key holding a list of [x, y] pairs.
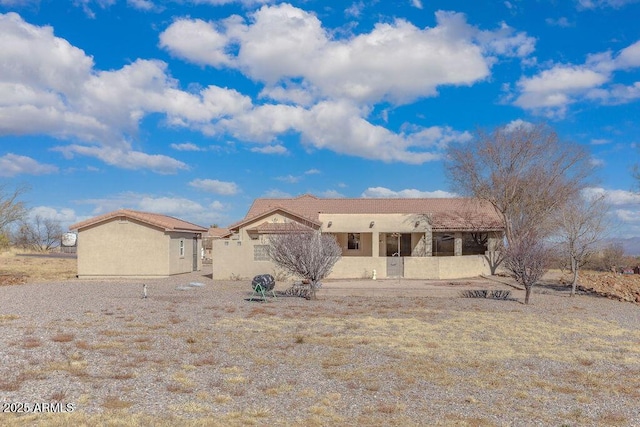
{"points": [[11, 209], [40, 234], [526, 173], [526, 260], [306, 253], [611, 257], [580, 225]]}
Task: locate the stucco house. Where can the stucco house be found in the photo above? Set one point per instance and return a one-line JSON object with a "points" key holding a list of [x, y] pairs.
{"points": [[439, 238], [128, 243]]}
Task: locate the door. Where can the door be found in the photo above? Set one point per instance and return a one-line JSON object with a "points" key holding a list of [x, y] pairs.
{"points": [[195, 254], [395, 266]]}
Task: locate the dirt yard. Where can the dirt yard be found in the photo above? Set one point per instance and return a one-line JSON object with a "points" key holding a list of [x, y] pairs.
{"points": [[197, 352]]}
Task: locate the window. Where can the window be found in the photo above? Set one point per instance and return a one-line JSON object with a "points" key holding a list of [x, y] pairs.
{"points": [[181, 248], [353, 241], [261, 253]]}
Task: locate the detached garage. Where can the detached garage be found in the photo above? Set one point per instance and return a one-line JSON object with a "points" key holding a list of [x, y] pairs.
{"points": [[127, 243]]}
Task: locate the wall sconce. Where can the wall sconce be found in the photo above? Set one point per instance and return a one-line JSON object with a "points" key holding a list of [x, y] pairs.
{"points": [[417, 223], [329, 224], [371, 224]]}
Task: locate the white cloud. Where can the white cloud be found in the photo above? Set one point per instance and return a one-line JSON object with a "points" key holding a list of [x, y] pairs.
{"points": [[595, 4], [126, 158], [14, 164], [270, 149], [312, 172], [276, 194], [382, 192], [50, 87], [332, 194], [179, 207], [396, 61], [417, 4], [289, 179], [559, 22], [517, 124], [551, 91], [186, 146], [65, 216], [225, 188], [614, 197]]}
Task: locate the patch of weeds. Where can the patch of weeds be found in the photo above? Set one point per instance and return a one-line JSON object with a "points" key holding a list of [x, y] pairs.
{"points": [[114, 403], [6, 318], [207, 360], [31, 342], [63, 337], [58, 396], [10, 385]]}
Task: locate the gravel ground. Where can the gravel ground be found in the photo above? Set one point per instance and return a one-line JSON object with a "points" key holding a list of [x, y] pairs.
{"points": [[350, 358]]}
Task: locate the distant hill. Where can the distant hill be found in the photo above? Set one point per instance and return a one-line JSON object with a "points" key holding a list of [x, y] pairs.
{"points": [[631, 245]]}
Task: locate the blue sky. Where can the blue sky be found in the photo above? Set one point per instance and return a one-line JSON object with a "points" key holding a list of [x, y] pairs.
{"points": [[196, 108]]}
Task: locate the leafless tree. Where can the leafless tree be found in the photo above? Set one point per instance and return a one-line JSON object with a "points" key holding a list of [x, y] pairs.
{"points": [[306, 253], [11, 208], [40, 234], [526, 260], [526, 173], [580, 226], [611, 257]]}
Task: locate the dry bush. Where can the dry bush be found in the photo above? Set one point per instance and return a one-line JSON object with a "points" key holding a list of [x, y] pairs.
{"points": [[115, 403], [63, 337]]}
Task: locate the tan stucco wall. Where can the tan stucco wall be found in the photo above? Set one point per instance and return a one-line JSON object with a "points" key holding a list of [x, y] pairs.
{"points": [[391, 223], [118, 248], [445, 267], [122, 248], [178, 264], [359, 268], [234, 259]]}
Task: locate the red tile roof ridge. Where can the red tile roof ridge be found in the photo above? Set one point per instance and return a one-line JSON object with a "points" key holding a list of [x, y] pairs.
{"points": [[166, 222]]}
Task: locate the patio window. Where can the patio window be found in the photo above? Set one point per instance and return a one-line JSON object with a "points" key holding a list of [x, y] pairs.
{"points": [[353, 241]]}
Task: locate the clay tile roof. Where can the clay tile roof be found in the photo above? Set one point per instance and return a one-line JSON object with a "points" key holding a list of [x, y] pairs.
{"points": [[168, 223], [218, 232], [446, 213], [270, 227]]}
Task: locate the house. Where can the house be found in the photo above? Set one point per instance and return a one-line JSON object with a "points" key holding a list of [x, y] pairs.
{"points": [[411, 238], [213, 233], [127, 243]]}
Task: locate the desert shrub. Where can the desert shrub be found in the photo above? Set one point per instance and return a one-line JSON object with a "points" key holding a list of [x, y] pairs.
{"points": [[497, 294]]}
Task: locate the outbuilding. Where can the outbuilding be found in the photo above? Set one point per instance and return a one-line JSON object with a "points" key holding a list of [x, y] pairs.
{"points": [[128, 243]]}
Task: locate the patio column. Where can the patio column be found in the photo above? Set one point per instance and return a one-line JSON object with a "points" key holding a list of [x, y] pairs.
{"points": [[457, 244], [428, 243], [375, 244]]}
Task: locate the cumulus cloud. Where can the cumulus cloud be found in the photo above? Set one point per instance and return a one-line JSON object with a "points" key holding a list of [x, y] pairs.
{"points": [[13, 165], [48, 86], [382, 192], [225, 188], [551, 91], [317, 84], [396, 61]]}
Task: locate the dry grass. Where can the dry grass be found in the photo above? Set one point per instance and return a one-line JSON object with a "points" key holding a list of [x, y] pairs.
{"points": [[402, 361], [34, 269]]}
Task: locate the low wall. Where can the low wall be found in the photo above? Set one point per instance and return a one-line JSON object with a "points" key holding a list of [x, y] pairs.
{"points": [[442, 268], [359, 268]]}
